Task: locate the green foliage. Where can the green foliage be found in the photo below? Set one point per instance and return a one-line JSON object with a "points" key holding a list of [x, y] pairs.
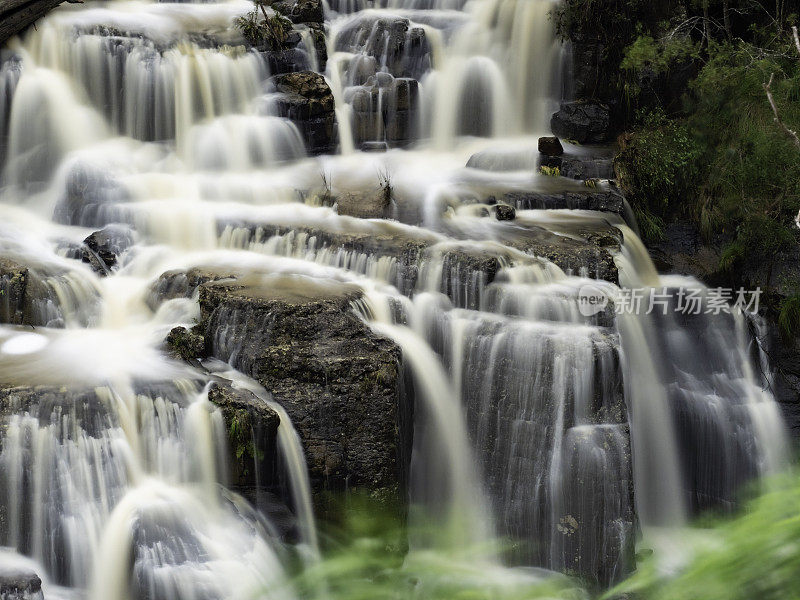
{"points": [[658, 170], [755, 555], [656, 57], [367, 559], [260, 28], [752, 182], [789, 317]]}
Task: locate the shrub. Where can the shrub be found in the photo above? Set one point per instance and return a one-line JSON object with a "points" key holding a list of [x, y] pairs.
{"points": [[260, 28]]}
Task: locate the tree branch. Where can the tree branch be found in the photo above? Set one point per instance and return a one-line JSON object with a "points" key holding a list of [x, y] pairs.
{"points": [[796, 38], [792, 134]]}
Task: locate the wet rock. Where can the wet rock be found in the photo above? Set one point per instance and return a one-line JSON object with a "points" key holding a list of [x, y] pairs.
{"points": [[91, 198], [13, 288], [36, 294], [16, 16], [550, 146], [505, 212], [307, 100], [381, 240], [578, 167], [466, 272], [301, 11], [338, 381], [603, 199], [187, 344], [102, 248], [252, 428], [503, 160], [182, 284], [384, 110], [584, 122], [394, 44], [368, 204], [19, 583]]}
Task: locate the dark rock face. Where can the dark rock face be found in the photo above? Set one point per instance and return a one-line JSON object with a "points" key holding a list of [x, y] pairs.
{"points": [[387, 109], [185, 343], [583, 122], [505, 212], [19, 584], [16, 16], [682, 252], [392, 42], [550, 146], [604, 200], [338, 381], [252, 428], [13, 288], [583, 167], [308, 101], [102, 248]]}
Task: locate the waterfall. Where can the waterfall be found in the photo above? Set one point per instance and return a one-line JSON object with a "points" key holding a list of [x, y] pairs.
{"points": [[239, 284]]}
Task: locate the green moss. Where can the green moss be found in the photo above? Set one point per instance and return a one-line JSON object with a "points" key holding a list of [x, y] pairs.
{"points": [[550, 171], [240, 438]]}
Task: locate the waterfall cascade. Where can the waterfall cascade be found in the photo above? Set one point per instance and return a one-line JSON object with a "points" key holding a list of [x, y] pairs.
{"points": [[515, 416]]}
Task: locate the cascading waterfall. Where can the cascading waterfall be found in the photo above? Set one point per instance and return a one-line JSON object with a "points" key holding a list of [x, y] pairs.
{"points": [[540, 435]]}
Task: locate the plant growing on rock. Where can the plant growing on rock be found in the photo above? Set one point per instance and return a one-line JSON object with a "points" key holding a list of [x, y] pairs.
{"points": [[550, 171], [261, 28]]}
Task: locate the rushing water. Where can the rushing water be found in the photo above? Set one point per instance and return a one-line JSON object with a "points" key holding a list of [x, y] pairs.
{"points": [[560, 433]]}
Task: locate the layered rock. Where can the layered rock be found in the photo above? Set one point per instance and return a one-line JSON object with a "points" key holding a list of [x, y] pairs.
{"points": [[306, 99], [43, 294], [338, 381]]}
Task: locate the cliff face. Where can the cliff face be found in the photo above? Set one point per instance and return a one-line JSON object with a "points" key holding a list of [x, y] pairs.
{"points": [[16, 15]]}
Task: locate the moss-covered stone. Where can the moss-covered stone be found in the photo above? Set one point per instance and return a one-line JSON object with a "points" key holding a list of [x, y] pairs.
{"points": [[338, 381]]}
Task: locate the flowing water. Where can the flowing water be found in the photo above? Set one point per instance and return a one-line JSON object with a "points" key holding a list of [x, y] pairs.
{"points": [[560, 433]]}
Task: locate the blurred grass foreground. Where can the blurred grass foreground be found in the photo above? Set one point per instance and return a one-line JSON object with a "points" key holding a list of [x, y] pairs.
{"points": [[753, 555]]}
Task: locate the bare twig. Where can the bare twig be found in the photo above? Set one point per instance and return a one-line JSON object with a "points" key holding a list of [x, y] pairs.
{"points": [[792, 134], [796, 38]]}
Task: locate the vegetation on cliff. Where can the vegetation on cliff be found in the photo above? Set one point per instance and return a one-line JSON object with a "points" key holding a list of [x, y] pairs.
{"points": [[709, 93]]}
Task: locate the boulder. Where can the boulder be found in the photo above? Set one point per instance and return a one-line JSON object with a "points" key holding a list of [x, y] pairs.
{"points": [[337, 380], [182, 284], [550, 146], [585, 122], [186, 344], [367, 204], [19, 583], [307, 100], [505, 212], [102, 248]]}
